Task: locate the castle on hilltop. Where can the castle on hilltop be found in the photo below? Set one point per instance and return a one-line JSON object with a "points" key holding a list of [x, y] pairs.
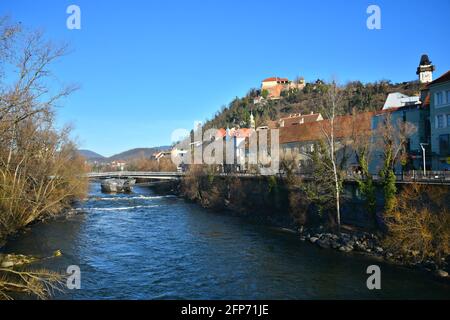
{"points": [[271, 88]]}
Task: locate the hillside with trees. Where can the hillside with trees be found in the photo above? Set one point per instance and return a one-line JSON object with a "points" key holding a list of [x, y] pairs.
{"points": [[357, 96], [137, 153]]}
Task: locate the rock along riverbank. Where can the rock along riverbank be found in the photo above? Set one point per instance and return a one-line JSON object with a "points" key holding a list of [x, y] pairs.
{"points": [[370, 244]]}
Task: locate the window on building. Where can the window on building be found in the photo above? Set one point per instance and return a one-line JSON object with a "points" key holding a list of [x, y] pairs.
{"points": [[427, 129], [444, 145], [440, 121], [448, 96], [448, 120], [439, 99]]}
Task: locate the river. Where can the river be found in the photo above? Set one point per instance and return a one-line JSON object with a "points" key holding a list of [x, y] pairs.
{"points": [[145, 246]]}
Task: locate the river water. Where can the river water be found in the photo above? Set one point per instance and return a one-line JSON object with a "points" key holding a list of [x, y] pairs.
{"points": [[144, 246]]}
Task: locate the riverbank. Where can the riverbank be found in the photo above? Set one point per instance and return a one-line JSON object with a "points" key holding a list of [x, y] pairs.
{"points": [[351, 239], [370, 244], [20, 274]]}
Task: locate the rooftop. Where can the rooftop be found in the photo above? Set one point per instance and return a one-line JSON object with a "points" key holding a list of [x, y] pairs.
{"points": [[444, 78], [397, 100], [346, 126], [233, 132], [298, 118], [276, 79]]}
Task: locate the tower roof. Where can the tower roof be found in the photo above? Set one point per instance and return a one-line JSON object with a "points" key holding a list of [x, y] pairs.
{"points": [[424, 60], [425, 64]]}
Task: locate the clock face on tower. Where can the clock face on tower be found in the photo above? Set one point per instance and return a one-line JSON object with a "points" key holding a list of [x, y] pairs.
{"points": [[425, 77]]}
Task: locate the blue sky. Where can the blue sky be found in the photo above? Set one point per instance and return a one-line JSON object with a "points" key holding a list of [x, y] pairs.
{"points": [[149, 67]]}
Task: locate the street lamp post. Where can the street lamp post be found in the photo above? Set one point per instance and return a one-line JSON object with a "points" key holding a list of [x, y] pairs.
{"points": [[424, 159]]}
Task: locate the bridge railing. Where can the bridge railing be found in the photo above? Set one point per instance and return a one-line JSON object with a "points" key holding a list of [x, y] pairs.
{"points": [[432, 177], [419, 176], [133, 174]]}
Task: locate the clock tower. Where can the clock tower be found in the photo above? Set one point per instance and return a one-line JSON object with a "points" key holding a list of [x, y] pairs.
{"points": [[425, 70]]}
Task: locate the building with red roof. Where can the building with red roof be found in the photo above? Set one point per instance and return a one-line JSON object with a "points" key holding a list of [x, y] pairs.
{"points": [[298, 118], [275, 85]]}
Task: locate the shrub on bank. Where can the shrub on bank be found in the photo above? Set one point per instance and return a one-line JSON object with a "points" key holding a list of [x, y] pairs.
{"points": [[33, 188], [419, 224], [200, 185], [261, 198]]}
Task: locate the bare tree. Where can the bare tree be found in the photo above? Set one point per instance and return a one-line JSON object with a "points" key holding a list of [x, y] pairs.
{"points": [[27, 91], [41, 172], [331, 106], [392, 138]]}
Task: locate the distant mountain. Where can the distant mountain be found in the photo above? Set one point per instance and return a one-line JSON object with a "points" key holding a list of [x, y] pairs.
{"points": [[91, 155], [138, 153], [126, 155]]}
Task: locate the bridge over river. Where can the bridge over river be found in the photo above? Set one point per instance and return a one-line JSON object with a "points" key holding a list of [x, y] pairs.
{"points": [[440, 178]]}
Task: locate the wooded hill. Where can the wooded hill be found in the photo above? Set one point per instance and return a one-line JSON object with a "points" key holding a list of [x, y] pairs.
{"points": [[357, 97]]}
